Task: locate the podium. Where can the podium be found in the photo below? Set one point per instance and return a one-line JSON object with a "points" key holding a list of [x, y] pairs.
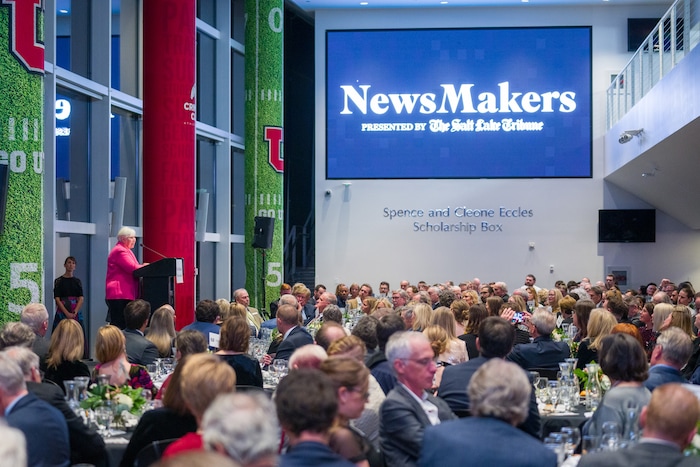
{"points": [[158, 281]]}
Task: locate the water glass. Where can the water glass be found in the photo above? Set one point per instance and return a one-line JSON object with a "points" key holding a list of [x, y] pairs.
{"points": [[103, 380], [103, 418], [542, 392], [590, 444], [573, 437], [534, 377], [554, 392], [555, 442], [82, 383], [610, 439]]}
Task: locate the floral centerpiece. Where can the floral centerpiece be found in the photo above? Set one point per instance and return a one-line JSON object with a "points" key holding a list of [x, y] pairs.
{"points": [[693, 448], [127, 403]]}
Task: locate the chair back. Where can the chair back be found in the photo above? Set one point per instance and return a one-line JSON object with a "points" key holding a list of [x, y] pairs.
{"points": [[152, 452]]}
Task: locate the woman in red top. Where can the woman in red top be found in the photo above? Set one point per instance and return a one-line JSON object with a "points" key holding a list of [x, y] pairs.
{"points": [[121, 285]]}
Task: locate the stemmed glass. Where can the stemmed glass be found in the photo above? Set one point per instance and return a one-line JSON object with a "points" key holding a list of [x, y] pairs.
{"points": [[104, 417], [610, 439], [573, 437], [535, 377], [554, 392], [541, 387], [280, 368]]}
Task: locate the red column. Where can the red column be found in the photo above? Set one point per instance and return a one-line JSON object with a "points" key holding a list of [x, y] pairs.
{"points": [[169, 140]]}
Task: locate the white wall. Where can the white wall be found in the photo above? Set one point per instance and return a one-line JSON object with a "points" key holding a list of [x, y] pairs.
{"points": [[355, 243]]}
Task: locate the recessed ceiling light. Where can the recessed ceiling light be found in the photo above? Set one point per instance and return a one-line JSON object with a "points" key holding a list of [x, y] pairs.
{"points": [[63, 11], [525, 1], [443, 3], [364, 3]]}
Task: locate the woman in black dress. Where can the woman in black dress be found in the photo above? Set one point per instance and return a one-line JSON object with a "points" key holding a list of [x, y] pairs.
{"points": [[234, 339], [68, 294]]}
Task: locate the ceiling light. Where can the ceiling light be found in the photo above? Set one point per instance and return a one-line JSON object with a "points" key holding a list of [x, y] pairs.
{"points": [[364, 3]]}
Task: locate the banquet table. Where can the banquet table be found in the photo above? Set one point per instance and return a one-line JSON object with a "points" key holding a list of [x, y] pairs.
{"points": [[116, 446], [555, 421]]}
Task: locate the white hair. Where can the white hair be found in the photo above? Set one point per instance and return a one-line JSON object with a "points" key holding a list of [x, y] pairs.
{"points": [[500, 389], [125, 232], [13, 446]]}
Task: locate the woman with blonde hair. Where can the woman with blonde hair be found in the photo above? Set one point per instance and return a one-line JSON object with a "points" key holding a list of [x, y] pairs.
{"points": [[680, 317], [224, 308], [661, 312], [553, 298], [440, 343], [517, 303], [600, 324], [471, 297], [477, 314], [423, 316], [351, 380], [110, 350], [162, 330], [63, 362], [368, 422], [369, 304], [456, 349], [460, 310]]}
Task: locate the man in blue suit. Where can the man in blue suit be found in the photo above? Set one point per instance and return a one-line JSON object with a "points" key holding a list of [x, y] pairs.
{"points": [[294, 335], [543, 352], [671, 353], [499, 393], [44, 427], [139, 350]]}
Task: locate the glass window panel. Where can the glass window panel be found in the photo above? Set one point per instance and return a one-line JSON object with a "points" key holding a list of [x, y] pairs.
{"points": [[126, 66], [237, 93], [206, 79], [73, 31], [72, 156], [237, 192], [125, 150], [237, 266], [238, 21], [206, 267], [206, 178], [206, 11]]}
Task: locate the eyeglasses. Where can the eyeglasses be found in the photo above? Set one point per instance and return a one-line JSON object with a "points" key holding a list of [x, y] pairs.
{"points": [[364, 394], [421, 361]]}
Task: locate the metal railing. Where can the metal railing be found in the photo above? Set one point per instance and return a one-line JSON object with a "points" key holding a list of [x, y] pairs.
{"points": [[675, 35], [298, 247]]}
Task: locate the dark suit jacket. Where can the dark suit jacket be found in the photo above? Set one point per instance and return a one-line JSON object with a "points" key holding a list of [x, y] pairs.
{"points": [[139, 350], [483, 441], [296, 338], [45, 430], [641, 455], [662, 374], [543, 352], [401, 425], [309, 453], [86, 446], [382, 371], [453, 390]]}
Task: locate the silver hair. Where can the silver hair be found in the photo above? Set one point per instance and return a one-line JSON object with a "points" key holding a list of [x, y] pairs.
{"points": [[11, 377], [244, 424], [16, 333], [13, 446], [676, 346], [500, 389], [24, 357], [125, 232], [502, 285], [331, 298], [34, 315], [544, 321], [289, 299], [400, 345], [402, 293], [581, 292]]}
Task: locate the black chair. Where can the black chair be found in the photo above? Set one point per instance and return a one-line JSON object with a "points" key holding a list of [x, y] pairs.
{"points": [[546, 373], [152, 453], [253, 389]]}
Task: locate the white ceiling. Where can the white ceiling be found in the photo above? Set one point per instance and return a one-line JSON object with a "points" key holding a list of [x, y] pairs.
{"points": [[312, 5]]}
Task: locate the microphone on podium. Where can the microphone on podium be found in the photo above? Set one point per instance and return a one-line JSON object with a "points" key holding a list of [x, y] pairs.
{"points": [[153, 251]]}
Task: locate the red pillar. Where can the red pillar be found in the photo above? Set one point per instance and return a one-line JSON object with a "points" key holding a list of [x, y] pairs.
{"points": [[169, 140]]}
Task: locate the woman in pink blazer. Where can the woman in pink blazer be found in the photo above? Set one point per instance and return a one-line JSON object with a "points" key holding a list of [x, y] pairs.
{"points": [[121, 285]]}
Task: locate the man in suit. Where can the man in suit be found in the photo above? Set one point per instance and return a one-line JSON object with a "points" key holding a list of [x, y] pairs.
{"points": [[139, 350], [496, 338], [408, 409], [243, 297], [499, 393], [364, 292], [378, 364], [43, 426], [86, 445], [671, 353], [205, 315], [669, 424], [36, 317], [543, 352], [294, 336]]}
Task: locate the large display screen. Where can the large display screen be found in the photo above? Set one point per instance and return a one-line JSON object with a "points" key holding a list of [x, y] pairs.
{"points": [[458, 103]]}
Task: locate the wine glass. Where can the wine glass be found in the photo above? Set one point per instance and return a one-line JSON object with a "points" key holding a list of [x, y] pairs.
{"points": [[541, 387], [103, 418], [168, 364], [554, 392], [280, 368], [573, 438], [610, 439], [535, 377]]}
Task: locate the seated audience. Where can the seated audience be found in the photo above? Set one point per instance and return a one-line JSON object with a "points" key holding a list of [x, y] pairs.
{"points": [[16, 334], [628, 328], [668, 428], [329, 332], [351, 380], [63, 360], [139, 350], [423, 316], [204, 377], [624, 361], [366, 330], [307, 356], [543, 352], [438, 342], [110, 350], [86, 445], [456, 351], [671, 353], [378, 364], [600, 325], [44, 427], [477, 314], [13, 446], [36, 317], [582, 314], [250, 437], [408, 409], [206, 314], [233, 347], [500, 394], [293, 335], [460, 311], [186, 343], [307, 421], [161, 331]]}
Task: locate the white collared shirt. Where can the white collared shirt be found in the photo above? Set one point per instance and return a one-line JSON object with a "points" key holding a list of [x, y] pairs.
{"points": [[428, 407]]}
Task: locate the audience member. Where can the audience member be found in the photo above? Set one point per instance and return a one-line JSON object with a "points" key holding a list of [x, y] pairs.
{"points": [[477, 314], [378, 364], [456, 351], [600, 324], [186, 343], [161, 330], [206, 314], [139, 350], [36, 317], [408, 408], [307, 421], [241, 296], [233, 347], [366, 330], [543, 352], [307, 356], [671, 353], [293, 335], [63, 361], [13, 447], [500, 393], [16, 334]]}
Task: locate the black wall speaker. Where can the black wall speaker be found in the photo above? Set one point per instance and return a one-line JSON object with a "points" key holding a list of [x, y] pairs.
{"points": [[262, 232]]}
